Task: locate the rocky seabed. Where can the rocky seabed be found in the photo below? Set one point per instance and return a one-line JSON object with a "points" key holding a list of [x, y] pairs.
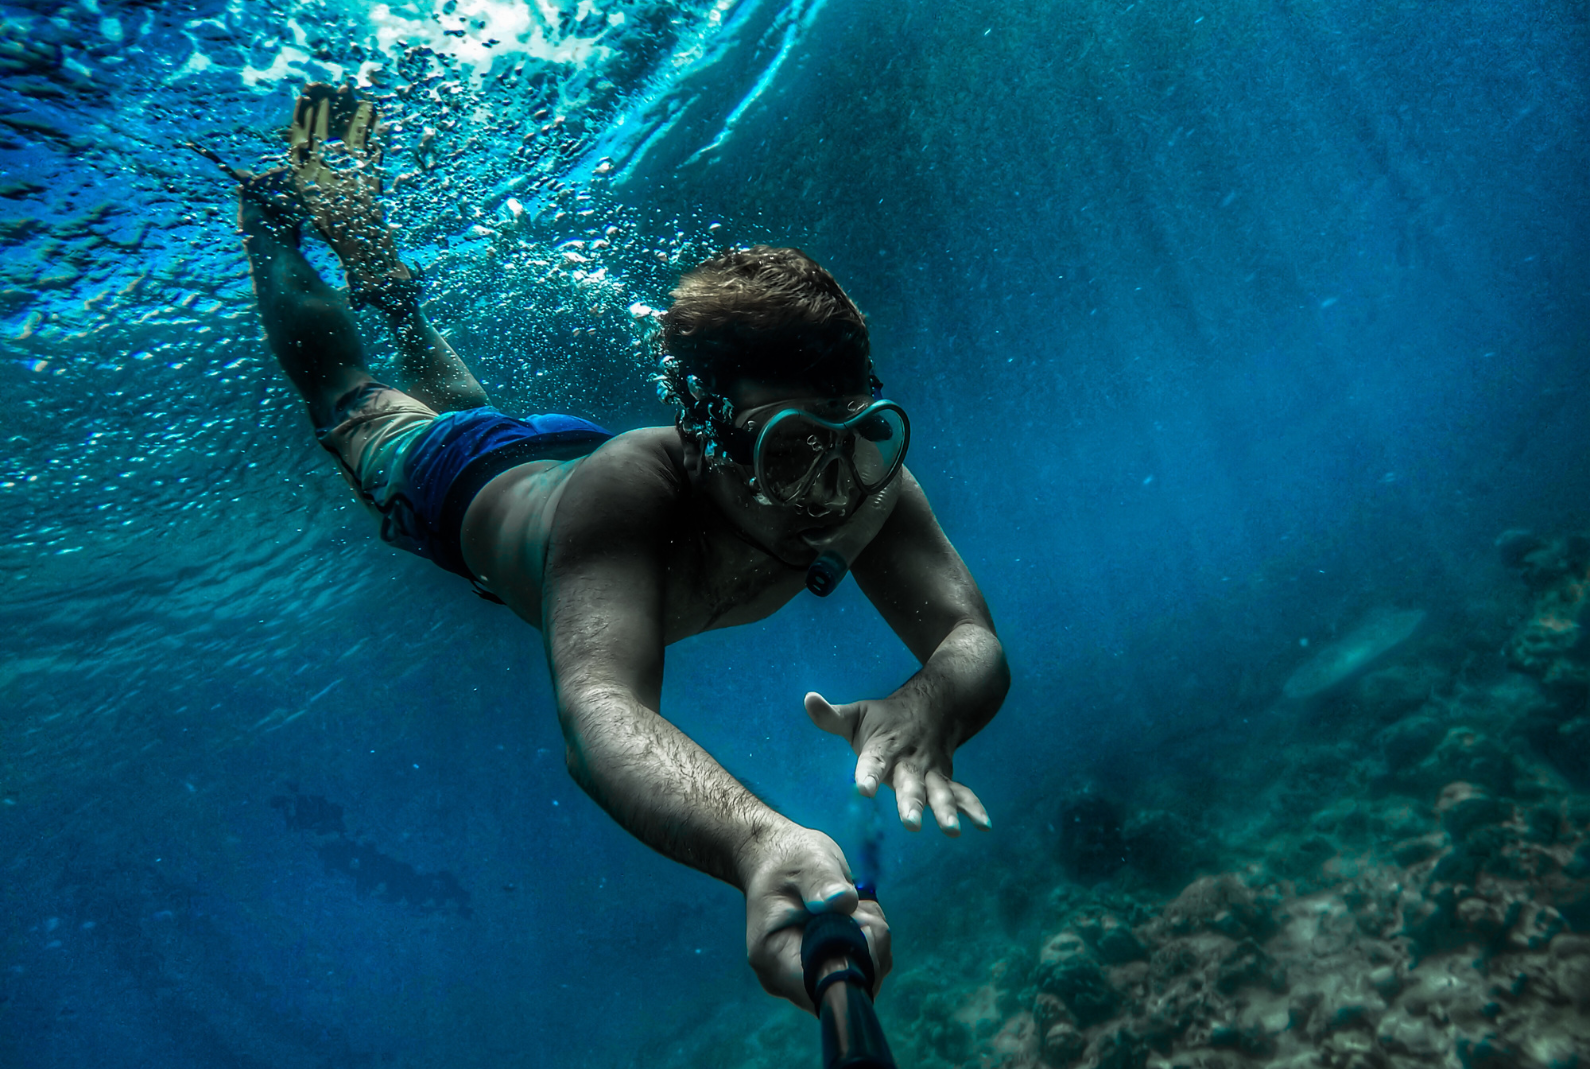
{"points": [[1433, 910]]}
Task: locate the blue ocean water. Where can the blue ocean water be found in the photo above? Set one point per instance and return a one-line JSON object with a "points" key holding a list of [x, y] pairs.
{"points": [[1222, 329]]}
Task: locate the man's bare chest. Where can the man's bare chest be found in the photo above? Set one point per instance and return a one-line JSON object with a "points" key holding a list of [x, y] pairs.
{"points": [[717, 580]]}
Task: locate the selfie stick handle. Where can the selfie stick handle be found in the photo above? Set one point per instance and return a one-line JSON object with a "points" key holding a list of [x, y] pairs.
{"points": [[839, 978]]}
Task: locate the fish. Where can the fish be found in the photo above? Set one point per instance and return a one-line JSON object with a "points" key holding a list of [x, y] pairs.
{"points": [[1378, 634]]}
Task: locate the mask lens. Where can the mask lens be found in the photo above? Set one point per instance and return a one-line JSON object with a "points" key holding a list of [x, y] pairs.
{"points": [[878, 445], [798, 447], [789, 451], [879, 426]]}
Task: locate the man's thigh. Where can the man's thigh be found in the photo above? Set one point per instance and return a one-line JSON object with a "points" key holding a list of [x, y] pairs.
{"points": [[374, 428]]}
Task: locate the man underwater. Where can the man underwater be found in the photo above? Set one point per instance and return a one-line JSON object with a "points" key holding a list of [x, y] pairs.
{"points": [[617, 546]]}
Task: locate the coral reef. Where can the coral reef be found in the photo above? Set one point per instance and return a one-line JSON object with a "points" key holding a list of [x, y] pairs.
{"points": [[1552, 643], [1470, 954], [1401, 879], [1098, 837]]}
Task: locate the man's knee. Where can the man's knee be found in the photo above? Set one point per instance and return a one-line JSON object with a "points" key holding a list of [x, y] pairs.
{"points": [[329, 399], [323, 302]]}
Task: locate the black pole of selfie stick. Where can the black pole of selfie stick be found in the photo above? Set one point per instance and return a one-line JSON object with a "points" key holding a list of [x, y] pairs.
{"points": [[839, 978]]}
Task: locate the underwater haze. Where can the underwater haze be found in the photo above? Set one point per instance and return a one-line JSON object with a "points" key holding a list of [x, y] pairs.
{"points": [[1247, 353]]}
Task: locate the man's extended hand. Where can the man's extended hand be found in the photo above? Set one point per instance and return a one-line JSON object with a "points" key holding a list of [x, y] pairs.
{"points": [[792, 873], [897, 743]]}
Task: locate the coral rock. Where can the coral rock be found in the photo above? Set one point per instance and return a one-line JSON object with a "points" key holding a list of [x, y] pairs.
{"points": [[1068, 971], [1463, 807], [1399, 967], [1063, 1045], [1551, 643], [1466, 754]]}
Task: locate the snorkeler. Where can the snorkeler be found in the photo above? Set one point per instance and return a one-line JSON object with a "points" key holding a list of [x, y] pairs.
{"points": [[783, 454]]}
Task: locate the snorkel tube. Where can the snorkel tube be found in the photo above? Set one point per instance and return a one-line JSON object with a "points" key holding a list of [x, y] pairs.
{"points": [[836, 552], [839, 977]]}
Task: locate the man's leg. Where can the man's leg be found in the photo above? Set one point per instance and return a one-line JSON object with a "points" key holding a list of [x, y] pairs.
{"points": [[335, 169], [309, 326], [312, 331], [432, 371]]}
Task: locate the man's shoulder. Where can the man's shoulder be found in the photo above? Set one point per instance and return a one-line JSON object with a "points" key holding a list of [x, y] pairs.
{"points": [[644, 442], [637, 471], [638, 458]]}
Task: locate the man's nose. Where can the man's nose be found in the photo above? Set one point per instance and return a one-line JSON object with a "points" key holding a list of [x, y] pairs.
{"points": [[832, 489]]}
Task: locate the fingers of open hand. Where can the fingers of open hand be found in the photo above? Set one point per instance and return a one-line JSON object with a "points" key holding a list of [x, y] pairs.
{"points": [[915, 790], [942, 799], [910, 795], [950, 799], [882, 747], [971, 805], [871, 768], [888, 757]]}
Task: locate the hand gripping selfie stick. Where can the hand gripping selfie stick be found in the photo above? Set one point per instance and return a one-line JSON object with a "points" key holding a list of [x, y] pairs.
{"points": [[839, 977]]}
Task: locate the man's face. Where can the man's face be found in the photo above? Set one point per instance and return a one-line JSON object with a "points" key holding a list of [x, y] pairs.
{"points": [[831, 499]]}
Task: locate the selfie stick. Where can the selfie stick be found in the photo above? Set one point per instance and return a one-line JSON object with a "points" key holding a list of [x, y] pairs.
{"points": [[839, 978]]}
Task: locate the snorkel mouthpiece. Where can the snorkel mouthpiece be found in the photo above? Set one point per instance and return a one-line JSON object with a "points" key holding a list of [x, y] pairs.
{"points": [[826, 573], [836, 552]]}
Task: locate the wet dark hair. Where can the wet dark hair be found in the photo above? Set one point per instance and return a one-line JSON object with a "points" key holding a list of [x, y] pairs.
{"points": [[769, 314], [763, 313]]}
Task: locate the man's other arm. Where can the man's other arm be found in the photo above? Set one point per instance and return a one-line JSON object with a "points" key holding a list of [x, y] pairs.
{"points": [[928, 597], [925, 593]]}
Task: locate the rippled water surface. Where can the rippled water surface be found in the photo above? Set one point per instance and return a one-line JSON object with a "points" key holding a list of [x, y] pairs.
{"points": [[1222, 328]]}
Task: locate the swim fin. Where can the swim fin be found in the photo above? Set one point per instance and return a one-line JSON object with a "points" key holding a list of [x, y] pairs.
{"points": [[324, 114]]}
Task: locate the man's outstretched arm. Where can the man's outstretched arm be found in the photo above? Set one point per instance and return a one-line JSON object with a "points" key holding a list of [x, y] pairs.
{"points": [[603, 621], [651, 777], [925, 593]]}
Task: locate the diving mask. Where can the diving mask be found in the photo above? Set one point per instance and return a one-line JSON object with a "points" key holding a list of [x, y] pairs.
{"points": [[795, 449]]}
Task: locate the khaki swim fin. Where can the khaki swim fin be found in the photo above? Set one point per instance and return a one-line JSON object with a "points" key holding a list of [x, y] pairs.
{"points": [[326, 114], [334, 157]]}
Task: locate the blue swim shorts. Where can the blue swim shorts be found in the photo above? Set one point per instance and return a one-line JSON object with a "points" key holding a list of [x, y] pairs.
{"points": [[418, 470]]}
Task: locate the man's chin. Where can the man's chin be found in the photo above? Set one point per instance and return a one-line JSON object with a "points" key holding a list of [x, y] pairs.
{"points": [[815, 539], [794, 551], [799, 548], [794, 540]]}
